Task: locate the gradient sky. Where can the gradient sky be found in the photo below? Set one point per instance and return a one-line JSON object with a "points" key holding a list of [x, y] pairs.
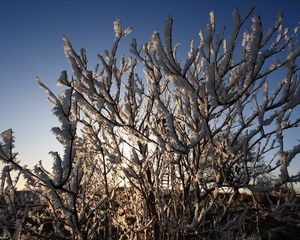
{"points": [[31, 44]]}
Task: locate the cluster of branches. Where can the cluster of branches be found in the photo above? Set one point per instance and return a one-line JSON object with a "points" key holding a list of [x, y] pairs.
{"points": [[151, 155]]}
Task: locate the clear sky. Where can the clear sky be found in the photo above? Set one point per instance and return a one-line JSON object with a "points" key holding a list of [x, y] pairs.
{"points": [[31, 44]]}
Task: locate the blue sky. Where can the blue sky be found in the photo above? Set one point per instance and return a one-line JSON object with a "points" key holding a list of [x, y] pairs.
{"points": [[31, 44]]}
